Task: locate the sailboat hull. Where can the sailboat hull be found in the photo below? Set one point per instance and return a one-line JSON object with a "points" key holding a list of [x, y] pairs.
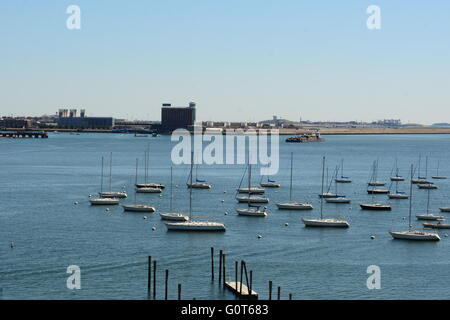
{"points": [[252, 190], [251, 213], [195, 226], [378, 191], [397, 179], [150, 185], [415, 235], [199, 185], [445, 209], [326, 223], [148, 190], [269, 185], [337, 200], [104, 201], [376, 184], [376, 207], [398, 196], [427, 186], [294, 206], [138, 208], [439, 177], [252, 200], [428, 217], [113, 194], [173, 217], [341, 180]]}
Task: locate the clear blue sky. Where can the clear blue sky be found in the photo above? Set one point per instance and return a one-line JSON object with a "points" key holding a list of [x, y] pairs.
{"points": [[238, 59]]}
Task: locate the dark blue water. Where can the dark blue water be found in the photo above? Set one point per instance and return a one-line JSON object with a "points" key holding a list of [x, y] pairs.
{"points": [[41, 179]]}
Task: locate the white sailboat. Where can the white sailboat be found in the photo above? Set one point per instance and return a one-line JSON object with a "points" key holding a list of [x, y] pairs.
{"points": [[397, 177], [374, 206], [342, 179], [172, 216], [420, 179], [100, 200], [199, 183], [328, 194], [322, 222], [428, 215], [137, 207], [413, 234], [192, 225], [397, 194], [437, 176], [251, 211], [338, 198], [269, 183], [375, 183], [147, 187], [110, 193], [293, 205]]}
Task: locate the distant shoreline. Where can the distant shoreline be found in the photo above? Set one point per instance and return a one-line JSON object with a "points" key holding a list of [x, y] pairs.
{"points": [[294, 132]]}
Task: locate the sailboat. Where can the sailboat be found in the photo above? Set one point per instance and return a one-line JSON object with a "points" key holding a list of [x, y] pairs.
{"points": [[374, 182], [148, 187], [426, 184], [373, 191], [397, 177], [269, 183], [328, 194], [338, 198], [428, 215], [437, 176], [335, 223], [396, 180], [342, 179], [110, 193], [192, 225], [100, 200], [413, 234], [420, 180], [199, 183], [251, 210], [171, 216], [293, 205], [137, 207]]}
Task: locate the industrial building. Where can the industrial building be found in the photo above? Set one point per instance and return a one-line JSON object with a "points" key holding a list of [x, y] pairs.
{"points": [[173, 118], [15, 123], [68, 119]]}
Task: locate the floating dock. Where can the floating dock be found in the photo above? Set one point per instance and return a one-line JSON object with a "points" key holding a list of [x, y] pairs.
{"points": [[235, 287]]}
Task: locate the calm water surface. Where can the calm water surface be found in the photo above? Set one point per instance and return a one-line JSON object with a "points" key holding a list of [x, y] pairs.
{"points": [[41, 179]]}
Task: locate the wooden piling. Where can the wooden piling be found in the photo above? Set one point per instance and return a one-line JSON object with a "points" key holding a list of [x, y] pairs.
{"points": [[290, 296], [279, 293], [236, 271], [166, 285], [224, 270], [212, 264], [179, 291], [220, 266], [270, 289], [154, 279], [149, 276], [242, 271], [251, 280]]}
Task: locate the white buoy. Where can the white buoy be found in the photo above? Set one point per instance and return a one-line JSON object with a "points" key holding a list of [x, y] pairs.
{"points": [[225, 191], [226, 213], [286, 224], [223, 201], [153, 228], [75, 203], [372, 237], [446, 235], [90, 195], [259, 236], [145, 217], [107, 209]]}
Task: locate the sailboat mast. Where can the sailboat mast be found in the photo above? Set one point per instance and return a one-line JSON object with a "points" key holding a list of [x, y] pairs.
{"points": [[428, 201], [190, 189], [290, 188], [135, 179], [321, 198], [171, 188], [410, 198], [426, 167], [249, 181], [101, 180], [110, 173], [342, 168]]}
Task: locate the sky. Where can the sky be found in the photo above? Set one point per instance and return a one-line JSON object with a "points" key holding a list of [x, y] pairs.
{"points": [[239, 60]]}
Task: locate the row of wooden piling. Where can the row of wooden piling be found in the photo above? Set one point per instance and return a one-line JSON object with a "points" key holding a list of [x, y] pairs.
{"points": [[241, 290]]}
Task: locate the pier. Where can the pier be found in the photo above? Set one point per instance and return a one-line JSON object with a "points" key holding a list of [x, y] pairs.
{"points": [[20, 134], [241, 290]]}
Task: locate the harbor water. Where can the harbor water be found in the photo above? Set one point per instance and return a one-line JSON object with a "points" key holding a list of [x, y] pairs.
{"points": [[44, 210]]}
